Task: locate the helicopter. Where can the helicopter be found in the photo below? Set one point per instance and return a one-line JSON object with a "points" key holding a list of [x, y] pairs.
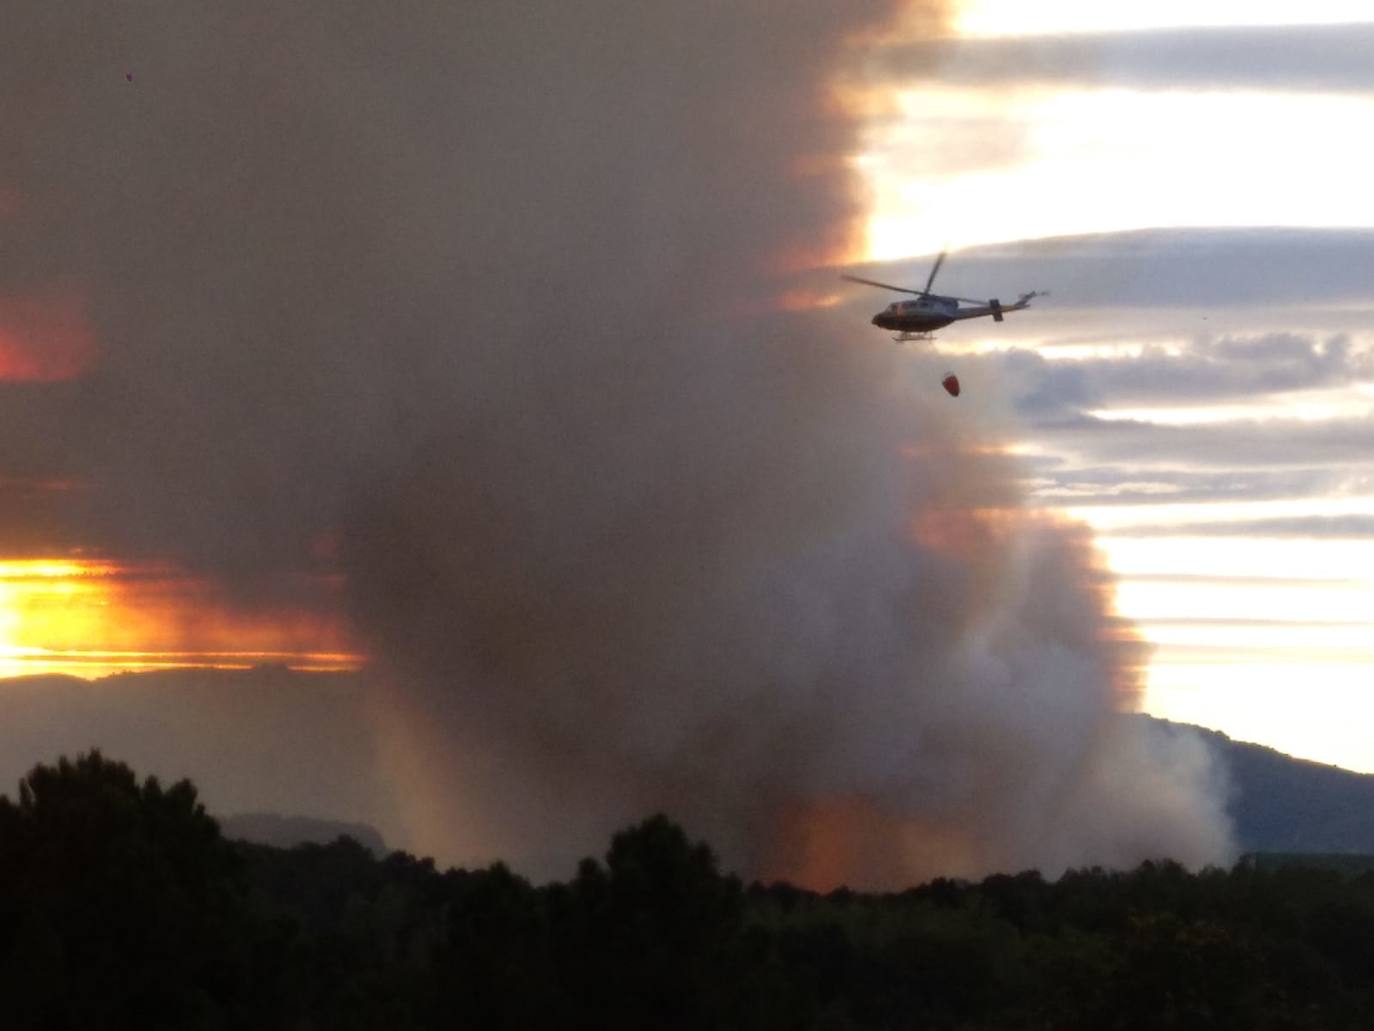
{"points": [[918, 319]]}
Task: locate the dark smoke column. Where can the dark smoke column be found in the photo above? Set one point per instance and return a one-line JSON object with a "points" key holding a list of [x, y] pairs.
{"points": [[666, 548], [612, 574], [488, 294]]}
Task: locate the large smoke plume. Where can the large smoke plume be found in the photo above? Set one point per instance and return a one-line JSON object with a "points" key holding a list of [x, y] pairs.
{"points": [[483, 303]]}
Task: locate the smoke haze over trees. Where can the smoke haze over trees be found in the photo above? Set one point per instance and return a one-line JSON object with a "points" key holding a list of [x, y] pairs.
{"points": [[490, 310], [238, 734]]}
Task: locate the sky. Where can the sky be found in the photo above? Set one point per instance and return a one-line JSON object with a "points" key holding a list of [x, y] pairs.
{"points": [[1189, 180]]}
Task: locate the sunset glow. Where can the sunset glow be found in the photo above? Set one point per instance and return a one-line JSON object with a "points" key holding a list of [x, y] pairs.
{"points": [[91, 618], [1034, 161]]}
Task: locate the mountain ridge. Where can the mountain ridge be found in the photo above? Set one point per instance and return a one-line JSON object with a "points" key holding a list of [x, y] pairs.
{"points": [[1280, 803]]}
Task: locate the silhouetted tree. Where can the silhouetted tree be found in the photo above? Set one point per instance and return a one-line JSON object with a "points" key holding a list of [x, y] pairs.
{"points": [[121, 906], [654, 938], [120, 902], [494, 966]]}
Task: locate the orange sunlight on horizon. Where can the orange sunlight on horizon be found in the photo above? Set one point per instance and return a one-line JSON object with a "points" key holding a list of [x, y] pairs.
{"points": [[91, 618]]}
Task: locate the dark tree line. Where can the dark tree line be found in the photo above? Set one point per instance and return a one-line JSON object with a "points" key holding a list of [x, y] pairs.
{"points": [[121, 906]]}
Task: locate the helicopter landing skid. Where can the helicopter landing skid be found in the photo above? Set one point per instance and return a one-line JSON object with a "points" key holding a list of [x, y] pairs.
{"points": [[903, 338]]}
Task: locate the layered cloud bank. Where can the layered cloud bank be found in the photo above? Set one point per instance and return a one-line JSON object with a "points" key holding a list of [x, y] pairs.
{"points": [[491, 312], [1326, 58], [1202, 396]]}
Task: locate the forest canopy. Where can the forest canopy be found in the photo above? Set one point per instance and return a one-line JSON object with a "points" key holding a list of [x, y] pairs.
{"points": [[121, 905]]}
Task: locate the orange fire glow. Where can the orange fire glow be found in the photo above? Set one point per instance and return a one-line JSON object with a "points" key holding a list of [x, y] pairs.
{"points": [[967, 533], [852, 842], [90, 618], [45, 337]]}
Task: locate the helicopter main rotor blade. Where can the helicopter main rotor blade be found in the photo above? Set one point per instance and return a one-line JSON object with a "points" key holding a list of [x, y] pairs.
{"points": [[984, 300], [885, 286], [938, 262]]}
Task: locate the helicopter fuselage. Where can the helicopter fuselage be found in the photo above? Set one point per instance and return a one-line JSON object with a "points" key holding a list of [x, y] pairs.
{"points": [[918, 318], [924, 315]]}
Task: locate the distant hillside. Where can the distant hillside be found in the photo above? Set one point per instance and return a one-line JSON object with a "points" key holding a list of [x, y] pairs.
{"points": [[1282, 804], [1350, 864]]}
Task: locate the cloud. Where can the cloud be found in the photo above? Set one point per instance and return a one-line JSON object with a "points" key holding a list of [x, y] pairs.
{"points": [[1343, 443], [1253, 581], [1064, 483], [1326, 58], [1290, 624], [1340, 527], [1201, 371]]}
